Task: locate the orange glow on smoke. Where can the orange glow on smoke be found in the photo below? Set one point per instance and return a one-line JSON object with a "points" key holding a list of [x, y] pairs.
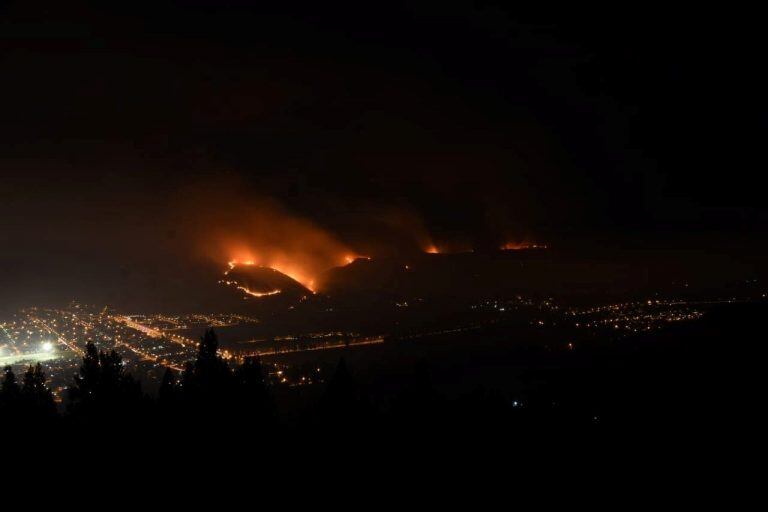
{"points": [[231, 225], [432, 250], [286, 267], [350, 258]]}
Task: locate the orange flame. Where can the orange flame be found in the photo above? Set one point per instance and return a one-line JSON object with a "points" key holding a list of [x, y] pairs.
{"points": [[350, 258], [231, 225], [232, 265], [258, 294], [293, 271]]}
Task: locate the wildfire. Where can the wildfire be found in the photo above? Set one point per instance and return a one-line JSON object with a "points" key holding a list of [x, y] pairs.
{"points": [[432, 249], [258, 294], [288, 269], [517, 246], [292, 270], [245, 229], [350, 258], [242, 288]]}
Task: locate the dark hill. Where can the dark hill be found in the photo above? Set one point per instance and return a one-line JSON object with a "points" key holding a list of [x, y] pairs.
{"points": [[575, 275], [255, 280], [479, 275]]}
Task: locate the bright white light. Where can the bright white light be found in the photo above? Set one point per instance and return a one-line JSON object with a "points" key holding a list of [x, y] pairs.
{"points": [[47, 346]]}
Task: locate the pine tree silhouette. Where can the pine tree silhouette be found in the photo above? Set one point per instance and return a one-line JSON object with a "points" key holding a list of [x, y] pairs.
{"points": [[167, 394], [36, 397], [252, 398], [10, 395], [87, 381], [250, 378], [208, 383], [343, 405], [30, 405], [10, 388], [103, 388]]}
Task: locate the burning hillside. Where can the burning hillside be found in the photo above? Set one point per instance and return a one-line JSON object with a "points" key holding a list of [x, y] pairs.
{"points": [[257, 281]]}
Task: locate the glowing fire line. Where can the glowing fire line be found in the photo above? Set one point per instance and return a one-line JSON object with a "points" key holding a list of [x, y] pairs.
{"points": [[259, 294], [518, 246], [290, 271], [245, 289]]}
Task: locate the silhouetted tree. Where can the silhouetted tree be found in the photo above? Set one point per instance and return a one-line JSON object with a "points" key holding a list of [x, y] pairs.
{"points": [[250, 378], [30, 405], [87, 381], [209, 346], [10, 388], [343, 404], [187, 377], [112, 372], [36, 397], [252, 395], [102, 387], [169, 399], [208, 382], [10, 393], [168, 391]]}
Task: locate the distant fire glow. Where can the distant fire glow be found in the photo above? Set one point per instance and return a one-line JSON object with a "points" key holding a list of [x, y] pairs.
{"points": [[258, 231], [232, 265], [350, 258], [284, 267], [291, 271], [258, 294], [519, 246]]}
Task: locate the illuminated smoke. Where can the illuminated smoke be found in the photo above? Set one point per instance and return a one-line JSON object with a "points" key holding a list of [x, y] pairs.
{"points": [[406, 224], [226, 222], [231, 228], [350, 258]]}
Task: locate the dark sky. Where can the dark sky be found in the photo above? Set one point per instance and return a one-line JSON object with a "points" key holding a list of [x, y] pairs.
{"points": [[480, 120]]}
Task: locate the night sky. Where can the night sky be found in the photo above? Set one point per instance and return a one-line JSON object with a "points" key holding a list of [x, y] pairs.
{"points": [[127, 134]]}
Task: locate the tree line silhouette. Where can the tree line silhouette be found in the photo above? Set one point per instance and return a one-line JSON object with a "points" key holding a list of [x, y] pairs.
{"points": [[29, 401], [568, 393], [102, 392], [207, 394]]}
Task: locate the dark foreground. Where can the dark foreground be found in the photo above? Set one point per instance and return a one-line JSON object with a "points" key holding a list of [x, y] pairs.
{"points": [[691, 389]]}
